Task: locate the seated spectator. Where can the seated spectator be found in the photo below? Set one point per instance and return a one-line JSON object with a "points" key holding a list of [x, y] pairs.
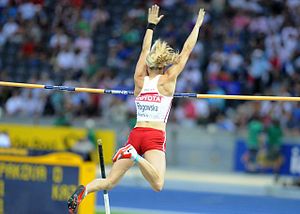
{"points": [[203, 111], [92, 66], [14, 104], [235, 61], [218, 104], [34, 106], [10, 28], [79, 63], [59, 39], [224, 123], [99, 16], [259, 70], [4, 139], [28, 48], [118, 111], [27, 10], [83, 42], [65, 59]]}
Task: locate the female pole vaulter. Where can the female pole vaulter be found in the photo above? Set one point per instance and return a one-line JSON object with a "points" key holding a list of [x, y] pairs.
{"points": [[155, 78]]}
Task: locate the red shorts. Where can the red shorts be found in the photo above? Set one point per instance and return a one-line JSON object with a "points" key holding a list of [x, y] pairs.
{"points": [[145, 139]]}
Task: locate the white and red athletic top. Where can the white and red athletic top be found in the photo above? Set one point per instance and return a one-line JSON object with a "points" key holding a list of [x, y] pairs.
{"points": [[150, 104]]}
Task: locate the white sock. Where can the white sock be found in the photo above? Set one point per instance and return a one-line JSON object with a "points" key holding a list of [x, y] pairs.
{"points": [[136, 158], [85, 192]]}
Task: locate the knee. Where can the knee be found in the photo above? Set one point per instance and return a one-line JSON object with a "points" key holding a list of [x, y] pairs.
{"points": [[158, 186], [110, 184]]}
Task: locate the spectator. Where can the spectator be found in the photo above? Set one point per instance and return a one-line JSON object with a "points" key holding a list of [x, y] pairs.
{"points": [[99, 16], [259, 69], [92, 66], [274, 142], [28, 48], [83, 42], [235, 62], [10, 28], [33, 31], [14, 105], [218, 104], [59, 39], [254, 142], [224, 123], [79, 63], [118, 111], [33, 107], [65, 59], [27, 10], [62, 120], [4, 139]]}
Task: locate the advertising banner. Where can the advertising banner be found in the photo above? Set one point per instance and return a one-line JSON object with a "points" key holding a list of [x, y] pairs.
{"points": [[50, 138], [290, 155], [43, 184]]}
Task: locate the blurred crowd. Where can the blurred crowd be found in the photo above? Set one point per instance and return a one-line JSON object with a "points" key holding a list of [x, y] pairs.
{"points": [[245, 47]]}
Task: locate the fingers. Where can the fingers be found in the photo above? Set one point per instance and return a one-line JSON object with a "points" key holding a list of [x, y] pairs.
{"points": [[200, 17], [153, 16], [159, 18], [151, 10], [202, 11], [154, 9]]}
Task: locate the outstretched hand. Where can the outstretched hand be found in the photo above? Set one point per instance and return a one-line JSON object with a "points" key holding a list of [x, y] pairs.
{"points": [[153, 15], [200, 17]]}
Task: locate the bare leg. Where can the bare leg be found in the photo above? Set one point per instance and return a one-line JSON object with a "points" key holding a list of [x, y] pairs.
{"points": [[117, 171], [153, 167]]}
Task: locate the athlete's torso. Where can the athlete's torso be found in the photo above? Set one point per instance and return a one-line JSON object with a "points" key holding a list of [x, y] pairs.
{"points": [[152, 107]]}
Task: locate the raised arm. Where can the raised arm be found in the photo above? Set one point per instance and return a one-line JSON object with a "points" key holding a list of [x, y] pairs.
{"points": [[188, 46], [153, 20]]}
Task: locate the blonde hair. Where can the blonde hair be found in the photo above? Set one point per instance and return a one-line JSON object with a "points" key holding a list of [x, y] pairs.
{"points": [[161, 55]]}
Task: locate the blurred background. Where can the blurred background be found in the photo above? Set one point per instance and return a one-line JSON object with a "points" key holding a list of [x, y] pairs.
{"points": [[223, 156]]}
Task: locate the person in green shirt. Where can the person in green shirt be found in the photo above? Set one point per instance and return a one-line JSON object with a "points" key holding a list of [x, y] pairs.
{"points": [[274, 142], [255, 129], [92, 67], [274, 134]]}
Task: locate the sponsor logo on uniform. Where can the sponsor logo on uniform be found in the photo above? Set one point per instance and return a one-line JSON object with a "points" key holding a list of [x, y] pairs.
{"points": [[150, 98]]}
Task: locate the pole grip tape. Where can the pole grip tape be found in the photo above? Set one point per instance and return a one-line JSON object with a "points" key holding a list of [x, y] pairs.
{"points": [[59, 88], [101, 158], [122, 92]]}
